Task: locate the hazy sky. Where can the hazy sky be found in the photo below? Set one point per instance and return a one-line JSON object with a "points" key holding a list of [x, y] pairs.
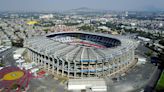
{"points": [[53, 5]]}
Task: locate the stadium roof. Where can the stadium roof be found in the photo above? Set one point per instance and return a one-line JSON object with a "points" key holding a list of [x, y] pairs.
{"points": [[65, 51]]}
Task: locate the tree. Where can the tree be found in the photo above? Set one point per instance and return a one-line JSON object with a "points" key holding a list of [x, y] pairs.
{"points": [[46, 30], [161, 42], [149, 53], [86, 27], [71, 24], [1, 65]]}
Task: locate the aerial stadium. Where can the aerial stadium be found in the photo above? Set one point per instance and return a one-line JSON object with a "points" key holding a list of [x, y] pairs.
{"points": [[82, 54]]}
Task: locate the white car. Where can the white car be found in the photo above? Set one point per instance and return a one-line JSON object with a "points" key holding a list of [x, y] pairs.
{"points": [[8, 47], [1, 68]]}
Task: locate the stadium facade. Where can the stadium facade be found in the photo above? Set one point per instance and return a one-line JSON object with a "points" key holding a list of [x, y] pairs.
{"points": [[82, 54]]}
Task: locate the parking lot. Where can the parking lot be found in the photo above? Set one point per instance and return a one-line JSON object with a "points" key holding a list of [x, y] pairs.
{"points": [[136, 78], [46, 84], [7, 56]]}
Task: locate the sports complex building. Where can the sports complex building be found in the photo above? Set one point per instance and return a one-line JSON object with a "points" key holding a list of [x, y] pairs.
{"points": [[82, 54]]}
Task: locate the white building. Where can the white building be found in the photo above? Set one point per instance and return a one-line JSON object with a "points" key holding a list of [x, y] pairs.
{"points": [[93, 85], [141, 60], [49, 16], [144, 39]]}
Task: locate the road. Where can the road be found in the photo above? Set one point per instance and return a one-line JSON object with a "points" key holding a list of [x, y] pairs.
{"points": [[141, 50], [7, 57]]}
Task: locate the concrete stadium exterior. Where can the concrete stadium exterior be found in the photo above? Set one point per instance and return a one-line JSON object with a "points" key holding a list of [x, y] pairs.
{"points": [[60, 54]]}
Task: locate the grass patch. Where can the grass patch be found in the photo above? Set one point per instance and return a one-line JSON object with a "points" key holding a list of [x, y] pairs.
{"points": [[160, 84], [1, 65]]}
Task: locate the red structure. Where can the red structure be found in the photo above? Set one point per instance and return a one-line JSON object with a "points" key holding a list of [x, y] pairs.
{"points": [[18, 84], [89, 44]]}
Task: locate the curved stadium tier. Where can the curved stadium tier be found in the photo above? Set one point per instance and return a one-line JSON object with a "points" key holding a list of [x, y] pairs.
{"points": [[82, 54]]}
